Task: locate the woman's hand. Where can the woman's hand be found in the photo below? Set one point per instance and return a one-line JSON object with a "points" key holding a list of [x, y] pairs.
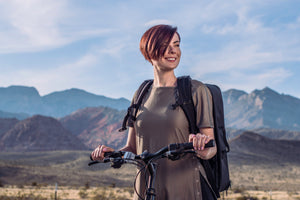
{"points": [[199, 140], [98, 153]]}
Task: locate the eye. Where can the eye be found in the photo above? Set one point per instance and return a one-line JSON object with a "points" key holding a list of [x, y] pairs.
{"points": [[176, 44]]}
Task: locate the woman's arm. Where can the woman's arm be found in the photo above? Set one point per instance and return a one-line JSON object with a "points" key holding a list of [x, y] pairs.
{"points": [[200, 139], [131, 141], [98, 153]]}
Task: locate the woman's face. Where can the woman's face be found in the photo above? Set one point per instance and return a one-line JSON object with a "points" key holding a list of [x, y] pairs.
{"points": [[170, 60]]}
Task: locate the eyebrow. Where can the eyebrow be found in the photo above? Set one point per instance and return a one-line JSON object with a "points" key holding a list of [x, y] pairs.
{"points": [[177, 41]]}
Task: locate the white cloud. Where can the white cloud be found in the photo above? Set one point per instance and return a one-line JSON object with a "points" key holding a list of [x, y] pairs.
{"points": [[232, 57], [34, 25], [48, 80], [248, 80]]}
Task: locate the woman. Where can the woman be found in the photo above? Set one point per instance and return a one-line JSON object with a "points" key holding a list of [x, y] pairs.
{"points": [[158, 124]]}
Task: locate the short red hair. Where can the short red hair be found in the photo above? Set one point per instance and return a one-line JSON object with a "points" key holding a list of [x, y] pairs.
{"points": [[155, 41]]}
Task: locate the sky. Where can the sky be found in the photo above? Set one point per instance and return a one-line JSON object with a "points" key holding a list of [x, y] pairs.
{"points": [[55, 45]]}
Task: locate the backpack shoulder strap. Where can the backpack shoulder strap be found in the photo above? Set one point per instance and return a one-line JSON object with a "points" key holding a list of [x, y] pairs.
{"points": [[136, 103], [185, 101]]}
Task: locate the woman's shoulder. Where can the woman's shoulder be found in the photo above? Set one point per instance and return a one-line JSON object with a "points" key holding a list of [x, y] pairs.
{"points": [[196, 84], [199, 88]]}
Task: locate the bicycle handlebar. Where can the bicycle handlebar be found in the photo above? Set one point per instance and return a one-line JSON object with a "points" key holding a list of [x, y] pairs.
{"points": [[170, 151]]}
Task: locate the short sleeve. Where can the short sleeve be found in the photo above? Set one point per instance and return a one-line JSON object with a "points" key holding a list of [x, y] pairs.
{"points": [[203, 103]]}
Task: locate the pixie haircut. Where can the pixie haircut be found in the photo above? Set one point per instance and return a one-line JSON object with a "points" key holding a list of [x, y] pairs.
{"points": [[155, 41]]}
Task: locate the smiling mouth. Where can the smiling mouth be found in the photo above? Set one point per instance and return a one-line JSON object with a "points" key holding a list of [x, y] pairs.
{"points": [[171, 59]]}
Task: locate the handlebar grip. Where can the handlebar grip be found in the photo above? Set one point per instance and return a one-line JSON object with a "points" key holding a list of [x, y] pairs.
{"points": [[113, 154], [108, 154], [211, 143], [189, 145]]}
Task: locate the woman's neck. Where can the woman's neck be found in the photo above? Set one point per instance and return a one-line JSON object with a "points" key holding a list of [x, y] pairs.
{"points": [[164, 79]]}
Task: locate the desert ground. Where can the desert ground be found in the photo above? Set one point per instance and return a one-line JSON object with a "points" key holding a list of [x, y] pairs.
{"points": [[121, 193], [34, 176]]}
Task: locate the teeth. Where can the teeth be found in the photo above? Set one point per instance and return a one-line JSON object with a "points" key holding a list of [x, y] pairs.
{"points": [[171, 58]]}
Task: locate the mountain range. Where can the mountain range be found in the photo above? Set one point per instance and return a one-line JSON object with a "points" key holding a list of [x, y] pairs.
{"points": [[85, 129], [23, 101], [87, 120], [261, 109]]}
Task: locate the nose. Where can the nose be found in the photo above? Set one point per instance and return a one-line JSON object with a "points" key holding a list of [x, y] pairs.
{"points": [[171, 49]]}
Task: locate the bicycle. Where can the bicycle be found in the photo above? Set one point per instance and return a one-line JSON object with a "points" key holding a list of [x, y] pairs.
{"points": [[145, 161]]}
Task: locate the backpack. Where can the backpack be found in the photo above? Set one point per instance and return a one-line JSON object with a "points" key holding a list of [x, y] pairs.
{"points": [[217, 167]]}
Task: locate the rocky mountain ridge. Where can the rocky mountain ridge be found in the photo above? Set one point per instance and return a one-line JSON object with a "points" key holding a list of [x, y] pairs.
{"points": [[22, 99], [261, 109]]}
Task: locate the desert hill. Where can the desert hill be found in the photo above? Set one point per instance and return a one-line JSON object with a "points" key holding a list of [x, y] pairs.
{"points": [[266, 132], [252, 148], [6, 124], [39, 133], [96, 126]]}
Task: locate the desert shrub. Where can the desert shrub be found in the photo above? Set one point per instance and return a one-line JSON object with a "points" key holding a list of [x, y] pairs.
{"points": [[246, 198], [34, 184], [238, 190], [52, 196], [105, 197], [87, 185], [23, 197], [82, 194], [100, 195], [112, 185], [129, 189]]}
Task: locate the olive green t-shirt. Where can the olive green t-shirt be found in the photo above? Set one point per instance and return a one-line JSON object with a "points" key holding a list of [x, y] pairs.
{"points": [[157, 125]]}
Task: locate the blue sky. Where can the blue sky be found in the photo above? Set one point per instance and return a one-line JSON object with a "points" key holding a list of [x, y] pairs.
{"points": [[94, 45]]}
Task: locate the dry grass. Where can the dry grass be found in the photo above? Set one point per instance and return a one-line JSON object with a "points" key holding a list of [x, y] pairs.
{"points": [[266, 178], [117, 193], [67, 193]]}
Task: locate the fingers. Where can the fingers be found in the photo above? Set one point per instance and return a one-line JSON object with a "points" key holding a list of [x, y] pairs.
{"points": [[98, 153], [199, 140]]}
